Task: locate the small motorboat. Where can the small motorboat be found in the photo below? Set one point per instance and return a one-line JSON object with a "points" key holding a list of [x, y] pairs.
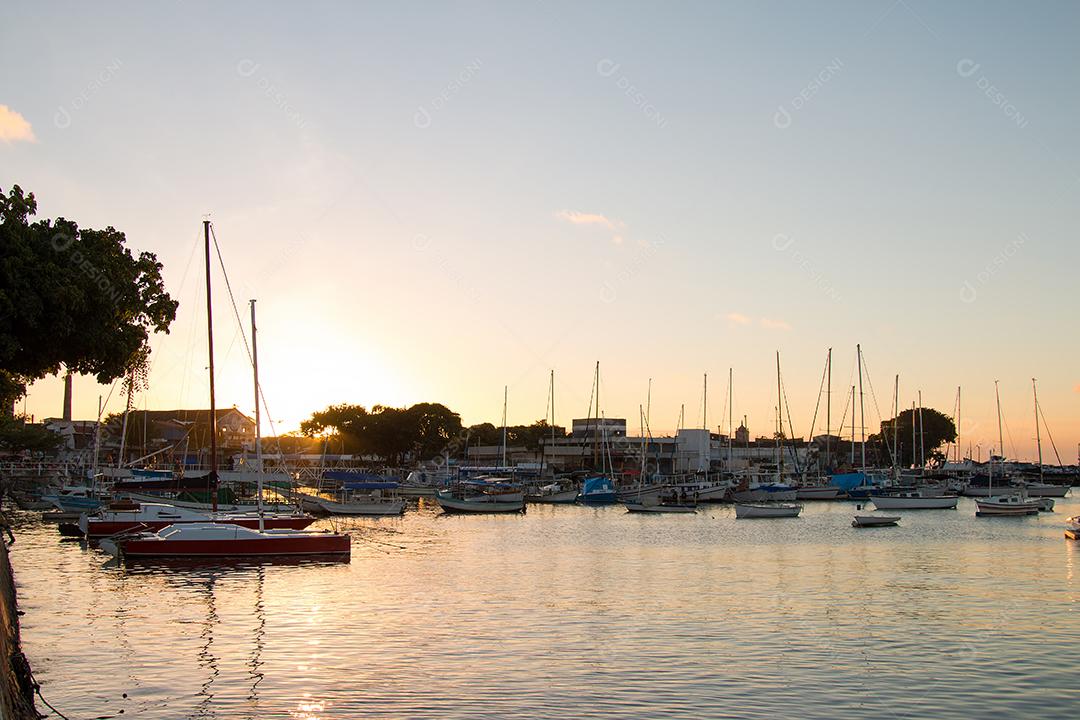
{"points": [[481, 496], [660, 507], [556, 493], [1072, 528], [202, 540], [767, 510], [1010, 505], [598, 490], [817, 492], [875, 520], [921, 499]]}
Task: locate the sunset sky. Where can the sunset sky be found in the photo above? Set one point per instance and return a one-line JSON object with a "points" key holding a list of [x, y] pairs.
{"points": [[433, 201]]}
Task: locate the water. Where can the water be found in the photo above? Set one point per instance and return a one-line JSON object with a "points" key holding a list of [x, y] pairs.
{"points": [[571, 612]]}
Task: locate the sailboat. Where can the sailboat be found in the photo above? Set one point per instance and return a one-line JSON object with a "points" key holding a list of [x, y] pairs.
{"points": [[1011, 504], [771, 510], [484, 494], [549, 489], [599, 489], [221, 538]]}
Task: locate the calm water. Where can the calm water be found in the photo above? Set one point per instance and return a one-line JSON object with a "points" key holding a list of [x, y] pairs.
{"points": [[571, 612]]}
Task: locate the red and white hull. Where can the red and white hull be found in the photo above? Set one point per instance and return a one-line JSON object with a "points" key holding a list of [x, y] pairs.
{"points": [[213, 540], [119, 518]]}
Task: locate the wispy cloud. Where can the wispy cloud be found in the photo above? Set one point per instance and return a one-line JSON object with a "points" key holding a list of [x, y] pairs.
{"points": [[580, 218], [738, 318], [14, 127], [774, 324]]}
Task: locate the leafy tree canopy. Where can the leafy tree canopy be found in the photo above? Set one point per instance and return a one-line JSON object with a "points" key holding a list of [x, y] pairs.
{"points": [[424, 429], [72, 297], [936, 430], [17, 434]]}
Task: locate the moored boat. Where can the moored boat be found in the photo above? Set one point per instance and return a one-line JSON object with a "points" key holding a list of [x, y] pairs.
{"points": [[875, 520], [659, 508], [481, 496], [555, 493], [1013, 504], [598, 490], [122, 517], [914, 500], [1072, 528], [225, 540], [817, 492], [767, 510]]}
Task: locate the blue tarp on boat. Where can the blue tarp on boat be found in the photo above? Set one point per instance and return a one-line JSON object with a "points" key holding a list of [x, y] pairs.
{"points": [[849, 481]]}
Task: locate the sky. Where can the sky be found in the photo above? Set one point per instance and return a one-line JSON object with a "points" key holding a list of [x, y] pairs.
{"points": [[433, 201]]}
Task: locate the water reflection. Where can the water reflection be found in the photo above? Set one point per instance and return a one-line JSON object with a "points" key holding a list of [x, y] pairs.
{"points": [[207, 659], [567, 612]]}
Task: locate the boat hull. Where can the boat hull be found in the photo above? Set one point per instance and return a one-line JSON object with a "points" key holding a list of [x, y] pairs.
{"points": [[759, 495], [887, 502], [644, 508], [313, 544], [564, 497], [457, 505], [105, 528], [817, 493], [1047, 491], [761, 511], [865, 521]]}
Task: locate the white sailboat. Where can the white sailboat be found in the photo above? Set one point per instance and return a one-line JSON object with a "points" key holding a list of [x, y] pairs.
{"points": [[1010, 504]]}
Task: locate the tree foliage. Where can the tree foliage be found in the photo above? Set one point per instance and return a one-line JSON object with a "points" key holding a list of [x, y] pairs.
{"points": [[936, 430], [72, 297], [17, 434], [423, 430]]}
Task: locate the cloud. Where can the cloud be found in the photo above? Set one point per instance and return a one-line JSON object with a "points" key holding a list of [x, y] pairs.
{"points": [[774, 324], [14, 127], [738, 318], [580, 218]]}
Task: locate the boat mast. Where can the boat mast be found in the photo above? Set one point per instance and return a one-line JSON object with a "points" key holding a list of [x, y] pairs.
{"points": [[912, 433], [828, 409], [503, 461], [730, 416], [596, 429], [1001, 438], [852, 426], [862, 415], [780, 423], [922, 436], [213, 479], [705, 425], [258, 432], [957, 424], [896, 428], [1038, 438]]}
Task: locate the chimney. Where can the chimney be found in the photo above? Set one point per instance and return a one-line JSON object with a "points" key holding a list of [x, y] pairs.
{"points": [[67, 397]]}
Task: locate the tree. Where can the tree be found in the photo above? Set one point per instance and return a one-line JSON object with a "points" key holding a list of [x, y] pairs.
{"points": [[17, 434], [72, 297], [936, 430], [424, 429]]}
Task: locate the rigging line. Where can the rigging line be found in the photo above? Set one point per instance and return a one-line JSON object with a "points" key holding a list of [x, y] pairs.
{"points": [[791, 426], [1048, 435], [243, 335], [873, 396], [817, 405], [1012, 443], [843, 417]]}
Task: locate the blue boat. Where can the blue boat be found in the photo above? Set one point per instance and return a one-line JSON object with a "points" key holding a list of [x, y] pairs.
{"points": [[598, 491]]}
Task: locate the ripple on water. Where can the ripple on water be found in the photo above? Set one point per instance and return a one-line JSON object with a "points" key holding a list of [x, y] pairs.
{"points": [[569, 612]]}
